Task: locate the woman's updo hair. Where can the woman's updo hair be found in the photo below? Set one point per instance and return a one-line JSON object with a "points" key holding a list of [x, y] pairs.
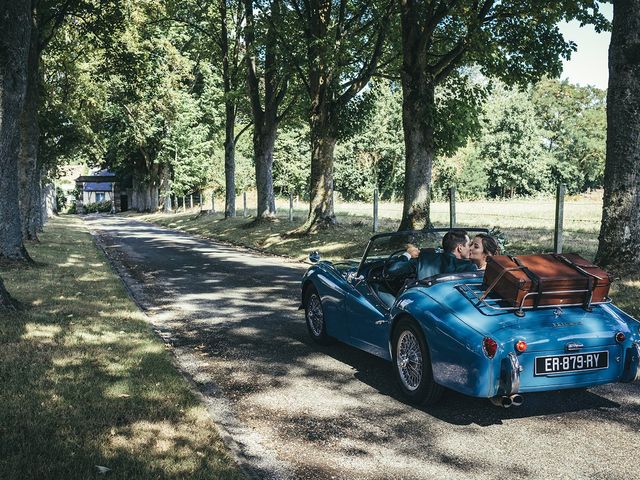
{"points": [[489, 244]]}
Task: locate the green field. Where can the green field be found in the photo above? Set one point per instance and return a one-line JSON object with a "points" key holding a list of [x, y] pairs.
{"points": [[527, 223]]}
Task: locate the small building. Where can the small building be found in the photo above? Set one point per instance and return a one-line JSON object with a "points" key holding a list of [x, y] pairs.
{"points": [[101, 186]]}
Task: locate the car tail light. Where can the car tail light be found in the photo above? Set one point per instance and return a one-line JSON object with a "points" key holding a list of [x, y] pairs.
{"points": [[489, 346], [521, 346], [620, 337]]}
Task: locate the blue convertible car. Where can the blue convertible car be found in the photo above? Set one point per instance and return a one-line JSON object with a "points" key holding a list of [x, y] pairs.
{"points": [[443, 332]]}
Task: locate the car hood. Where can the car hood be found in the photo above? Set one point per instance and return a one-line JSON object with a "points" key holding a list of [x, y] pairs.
{"points": [[542, 329]]}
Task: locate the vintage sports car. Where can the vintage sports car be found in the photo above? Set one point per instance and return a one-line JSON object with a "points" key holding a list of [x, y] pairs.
{"points": [[447, 331]]}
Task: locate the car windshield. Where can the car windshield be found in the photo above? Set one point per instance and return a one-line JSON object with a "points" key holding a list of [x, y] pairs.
{"points": [[381, 246]]}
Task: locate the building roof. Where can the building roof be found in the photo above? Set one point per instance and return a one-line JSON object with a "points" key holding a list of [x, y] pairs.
{"points": [[99, 176], [103, 173], [93, 178], [97, 186]]}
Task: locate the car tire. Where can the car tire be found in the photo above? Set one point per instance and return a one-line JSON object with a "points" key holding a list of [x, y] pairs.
{"points": [[314, 317], [412, 364]]}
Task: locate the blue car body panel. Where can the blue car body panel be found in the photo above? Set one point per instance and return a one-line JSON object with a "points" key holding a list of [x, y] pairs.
{"points": [[454, 328]]}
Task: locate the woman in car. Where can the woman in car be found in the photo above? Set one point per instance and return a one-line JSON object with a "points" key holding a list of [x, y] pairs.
{"points": [[482, 247]]}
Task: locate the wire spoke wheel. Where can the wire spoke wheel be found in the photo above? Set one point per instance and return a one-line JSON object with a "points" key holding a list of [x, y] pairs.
{"points": [[315, 316], [409, 360], [413, 364]]}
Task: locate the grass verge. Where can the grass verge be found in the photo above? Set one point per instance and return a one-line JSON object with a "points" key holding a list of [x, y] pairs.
{"points": [[85, 382]]}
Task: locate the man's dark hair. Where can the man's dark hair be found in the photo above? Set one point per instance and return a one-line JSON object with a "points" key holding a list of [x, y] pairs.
{"points": [[452, 239]]}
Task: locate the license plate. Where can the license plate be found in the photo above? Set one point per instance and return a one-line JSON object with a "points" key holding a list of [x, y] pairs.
{"points": [[574, 362]]}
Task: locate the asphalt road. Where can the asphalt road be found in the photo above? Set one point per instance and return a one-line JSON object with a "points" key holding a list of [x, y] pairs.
{"points": [[291, 409]]}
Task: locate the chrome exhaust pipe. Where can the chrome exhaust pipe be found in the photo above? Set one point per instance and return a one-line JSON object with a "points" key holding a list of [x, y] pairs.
{"points": [[517, 399], [502, 401]]}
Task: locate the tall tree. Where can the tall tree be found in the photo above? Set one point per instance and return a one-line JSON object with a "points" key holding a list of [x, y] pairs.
{"points": [[28, 167], [574, 122], [511, 147], [620, 228], [515, 40], [230, 49], [147, 78], [219, 26], [273, 76], [15, 31], [342, 44], [46, 18]]}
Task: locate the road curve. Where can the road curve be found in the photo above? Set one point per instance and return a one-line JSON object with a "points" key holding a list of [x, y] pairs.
{"points": [[291, 409]]}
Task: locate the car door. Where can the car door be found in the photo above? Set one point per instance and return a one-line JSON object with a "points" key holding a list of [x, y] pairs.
{"points": [[368, 318]]}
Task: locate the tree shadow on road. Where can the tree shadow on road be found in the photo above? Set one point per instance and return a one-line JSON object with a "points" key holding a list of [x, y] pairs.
{"points": [[238, 320]]}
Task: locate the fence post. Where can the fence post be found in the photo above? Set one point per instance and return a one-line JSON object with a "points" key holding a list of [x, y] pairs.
{"points": [[184, 203], [375, 210], [244, 204], [452, 207], [290, 207], [557, 237], [190, 201], [213, 203]]}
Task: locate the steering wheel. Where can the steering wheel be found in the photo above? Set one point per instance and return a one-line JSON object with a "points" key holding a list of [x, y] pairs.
{"points": [[387, 277]]}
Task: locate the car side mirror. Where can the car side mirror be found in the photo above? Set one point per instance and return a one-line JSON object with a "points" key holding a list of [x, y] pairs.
{"points": [[354, 278], [314, 257]]}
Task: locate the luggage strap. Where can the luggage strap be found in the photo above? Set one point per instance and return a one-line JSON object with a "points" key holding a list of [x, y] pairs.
{"points": [[580, 268], [536, 283], [589, 276]]}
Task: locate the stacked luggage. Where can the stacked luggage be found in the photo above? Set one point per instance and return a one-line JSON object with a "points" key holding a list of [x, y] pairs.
{"points": [[531, 281]]}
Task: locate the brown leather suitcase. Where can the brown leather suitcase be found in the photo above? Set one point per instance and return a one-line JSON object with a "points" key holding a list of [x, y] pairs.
{"points": [[547, 279]]}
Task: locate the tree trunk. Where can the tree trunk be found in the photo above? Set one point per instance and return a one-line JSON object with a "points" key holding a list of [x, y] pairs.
{"points": [[264, 138], [323, 142], [230, 119], [146, 183], [620, 228], [229, 161], [144, 196], [48, 202], [15, 31], [39, 199], [417, 124], [265, 121], [30, 208], [165, 187], [418, 107], [6, 301]]}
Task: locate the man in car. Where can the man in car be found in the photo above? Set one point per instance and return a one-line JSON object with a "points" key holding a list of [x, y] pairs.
{"points": [[453, 259]]}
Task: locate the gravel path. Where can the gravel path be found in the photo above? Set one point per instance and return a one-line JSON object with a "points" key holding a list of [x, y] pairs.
{"points": [[291, 409]]}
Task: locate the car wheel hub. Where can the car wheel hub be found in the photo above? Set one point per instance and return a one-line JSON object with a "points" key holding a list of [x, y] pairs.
{"points": [[315, 316], [409, 360]]}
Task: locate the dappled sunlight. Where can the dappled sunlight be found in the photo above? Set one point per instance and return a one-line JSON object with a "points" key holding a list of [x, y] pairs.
{"points": [[164, 439], [631, 283], [118, 389], [93, 277], [72, 263], [74, 260], [231, 317], [41, 333], [81, 366], [66, 362]]}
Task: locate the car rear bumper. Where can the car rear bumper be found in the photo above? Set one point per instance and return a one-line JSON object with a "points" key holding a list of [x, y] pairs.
{"points": [[517, 373]]}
